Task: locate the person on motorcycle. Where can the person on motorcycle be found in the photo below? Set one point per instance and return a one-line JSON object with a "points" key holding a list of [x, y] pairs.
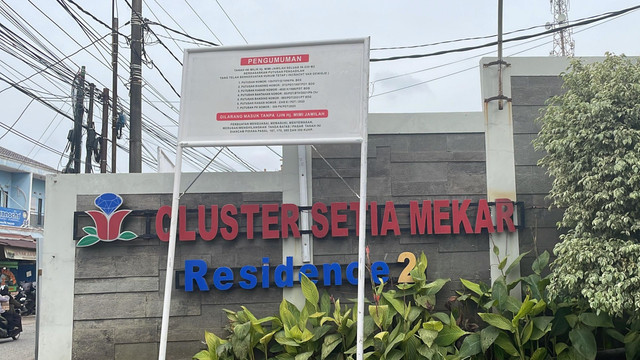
{"points": [[7, 310]]}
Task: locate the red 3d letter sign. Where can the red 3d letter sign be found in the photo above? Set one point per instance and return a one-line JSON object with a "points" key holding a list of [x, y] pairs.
{"points": [[276, 221]]}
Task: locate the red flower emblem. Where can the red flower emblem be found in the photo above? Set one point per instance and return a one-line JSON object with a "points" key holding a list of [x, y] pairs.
{"points": [[108, 222]]}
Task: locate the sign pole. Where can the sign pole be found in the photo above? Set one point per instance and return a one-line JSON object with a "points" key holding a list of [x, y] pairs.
{"points": [[362, 219], [168, 284]]}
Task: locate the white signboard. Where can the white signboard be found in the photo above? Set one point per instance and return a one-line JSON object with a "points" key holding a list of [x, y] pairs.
{"points": [[276, 94], [309, 93]]}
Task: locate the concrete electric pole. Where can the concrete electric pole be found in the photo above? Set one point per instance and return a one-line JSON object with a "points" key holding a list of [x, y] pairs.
{"points": [[114, 108], [91, 132], [105, 130], [78, 114], [135, 112]]}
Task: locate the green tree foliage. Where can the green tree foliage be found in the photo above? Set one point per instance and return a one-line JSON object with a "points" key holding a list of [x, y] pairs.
{"points": [[591, 135]]}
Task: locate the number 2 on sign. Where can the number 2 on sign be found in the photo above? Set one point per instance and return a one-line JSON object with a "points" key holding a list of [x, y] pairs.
{"points": [[404, 275]]}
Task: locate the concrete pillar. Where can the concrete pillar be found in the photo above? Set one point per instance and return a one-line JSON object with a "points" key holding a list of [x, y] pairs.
{"points": [[500, 161]]}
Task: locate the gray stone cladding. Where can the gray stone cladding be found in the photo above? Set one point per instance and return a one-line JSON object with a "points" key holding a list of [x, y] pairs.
{"points": [[119, 287], [530, 94], [402, 168]]}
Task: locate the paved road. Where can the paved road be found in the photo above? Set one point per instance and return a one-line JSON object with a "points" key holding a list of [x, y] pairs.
{"points": [[25, 346]]}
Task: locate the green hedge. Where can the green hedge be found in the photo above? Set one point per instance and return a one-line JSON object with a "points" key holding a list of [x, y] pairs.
{"points": [[482, 322]]}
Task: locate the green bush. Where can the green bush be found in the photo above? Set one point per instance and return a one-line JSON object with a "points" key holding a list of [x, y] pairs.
{"points": [[485, 322], [591, 138]]}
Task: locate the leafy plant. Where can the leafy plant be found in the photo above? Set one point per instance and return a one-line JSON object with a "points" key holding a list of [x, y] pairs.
{"points": [[514, 326], [217, 348], [399, 324], [591, 136], [403, 323]]}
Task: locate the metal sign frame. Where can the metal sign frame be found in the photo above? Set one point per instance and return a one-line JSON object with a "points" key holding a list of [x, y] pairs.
{"points": [[360, 136]]}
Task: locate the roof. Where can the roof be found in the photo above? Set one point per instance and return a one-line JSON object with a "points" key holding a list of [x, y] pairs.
{"points": [[10, 155], [19, 241]]}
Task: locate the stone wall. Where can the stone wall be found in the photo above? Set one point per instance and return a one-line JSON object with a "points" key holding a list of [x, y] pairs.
{"points": [[530, 94], [119, 286], [402, 168]]}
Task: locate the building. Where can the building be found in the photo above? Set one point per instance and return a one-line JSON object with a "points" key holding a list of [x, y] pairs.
{"points": [[22, 201]]}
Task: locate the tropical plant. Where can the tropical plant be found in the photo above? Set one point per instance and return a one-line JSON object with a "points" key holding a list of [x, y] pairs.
{"points": [[400, 324], [514, 327], [487, 322], [217, 348]]}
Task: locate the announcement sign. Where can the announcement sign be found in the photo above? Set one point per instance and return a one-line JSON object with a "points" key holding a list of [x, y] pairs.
{"points": [[277, 94]]}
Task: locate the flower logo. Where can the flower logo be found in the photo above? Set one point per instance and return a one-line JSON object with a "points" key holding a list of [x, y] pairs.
{"points": [[108, 221]]}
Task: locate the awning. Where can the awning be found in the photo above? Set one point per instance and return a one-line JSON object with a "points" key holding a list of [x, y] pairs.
{"points": [[15, 253], [18, 247]]}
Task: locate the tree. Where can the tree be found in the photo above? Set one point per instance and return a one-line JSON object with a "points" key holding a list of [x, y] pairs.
{"points": [[591, 135]]}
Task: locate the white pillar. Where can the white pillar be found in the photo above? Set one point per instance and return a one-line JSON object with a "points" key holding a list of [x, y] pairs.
{"points": [[500, 162]]}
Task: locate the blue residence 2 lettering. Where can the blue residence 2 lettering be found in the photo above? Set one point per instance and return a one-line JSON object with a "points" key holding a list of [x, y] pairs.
{"points": [[197, 275]]}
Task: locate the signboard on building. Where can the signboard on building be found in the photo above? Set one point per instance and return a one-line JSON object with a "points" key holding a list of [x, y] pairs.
{"points": [[12, 217], [276, 94]]}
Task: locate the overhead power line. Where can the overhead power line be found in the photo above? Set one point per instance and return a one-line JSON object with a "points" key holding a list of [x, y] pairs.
{"points": [[231, 21], [55, 63], [204, 22], [518, 38], [475, 37], [18, 119], [92, 16], [471, 67], [183, 33]]}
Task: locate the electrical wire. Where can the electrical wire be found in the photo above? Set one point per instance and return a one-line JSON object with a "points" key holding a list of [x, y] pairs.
{"points": [[518, 38], [476, 37], [55, 63], [158, 19], [92, 16], [473, 67], [18, 119], [232, 23], [205, 24], [87, 34], [183, 34], [166, 80]]}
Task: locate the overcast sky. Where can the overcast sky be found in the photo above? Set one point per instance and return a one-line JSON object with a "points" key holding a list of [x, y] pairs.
{"points": [[446, 83]]}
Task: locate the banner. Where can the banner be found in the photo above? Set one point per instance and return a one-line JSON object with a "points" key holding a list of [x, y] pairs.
{"points": [[12, 217]]}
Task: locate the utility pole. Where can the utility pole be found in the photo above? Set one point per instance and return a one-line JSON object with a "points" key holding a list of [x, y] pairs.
{"points": [[135, 112], [105, 130], [91, 132], [78, 113], [500, 62], [114, 66]]}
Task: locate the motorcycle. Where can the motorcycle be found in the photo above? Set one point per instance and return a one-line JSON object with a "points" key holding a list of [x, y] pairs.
{"points": [[15, 330], [21, 297], [10, 320], [26, 296]]}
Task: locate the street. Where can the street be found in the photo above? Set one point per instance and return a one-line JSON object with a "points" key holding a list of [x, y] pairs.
{"points": [[24, 347]]}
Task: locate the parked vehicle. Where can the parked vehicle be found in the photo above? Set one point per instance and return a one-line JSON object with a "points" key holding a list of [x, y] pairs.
{"points": [[26, 296], [10, 319]]}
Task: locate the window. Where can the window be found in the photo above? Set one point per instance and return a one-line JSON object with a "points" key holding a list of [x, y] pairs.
{"points": [[40, 218], [4, 198]]}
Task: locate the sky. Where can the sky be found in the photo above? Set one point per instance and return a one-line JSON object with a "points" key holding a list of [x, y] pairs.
{"points": [[445, 83]]}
